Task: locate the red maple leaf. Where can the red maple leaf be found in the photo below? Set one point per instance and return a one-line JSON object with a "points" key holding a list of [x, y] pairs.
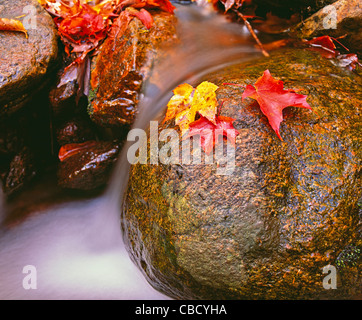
{"points": [[211, 133], [272, 99], [325, 46]]}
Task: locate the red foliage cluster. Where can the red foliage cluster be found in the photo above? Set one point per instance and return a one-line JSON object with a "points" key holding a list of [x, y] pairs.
{"points": [[83, 27]]}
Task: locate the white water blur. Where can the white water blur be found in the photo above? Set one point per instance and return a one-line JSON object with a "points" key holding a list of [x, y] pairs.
{"points": [[77, 248]]}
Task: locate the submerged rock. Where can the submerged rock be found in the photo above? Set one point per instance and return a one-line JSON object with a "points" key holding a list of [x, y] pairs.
{"points": [[121, 67], [289, 209], [25, 62]]}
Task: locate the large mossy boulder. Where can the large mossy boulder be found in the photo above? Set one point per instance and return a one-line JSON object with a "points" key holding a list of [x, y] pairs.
{"points": [[289, 209]]}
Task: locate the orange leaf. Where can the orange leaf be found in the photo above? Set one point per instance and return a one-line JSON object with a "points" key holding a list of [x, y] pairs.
{"points": [[12, 25]]}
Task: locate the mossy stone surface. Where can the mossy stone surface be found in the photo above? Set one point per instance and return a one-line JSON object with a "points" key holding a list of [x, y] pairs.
{"points": [[289, 209]]}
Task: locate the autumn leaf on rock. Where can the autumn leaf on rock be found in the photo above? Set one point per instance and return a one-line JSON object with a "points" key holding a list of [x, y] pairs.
{"points": [[187, 101], [164, 5], [12, 25], [210, 133], [144, 16], [272, 99]]}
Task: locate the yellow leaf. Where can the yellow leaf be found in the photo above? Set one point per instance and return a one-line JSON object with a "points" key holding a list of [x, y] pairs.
{"points": [[187, 101], [180, 101], [12, 25], [205, 100]]}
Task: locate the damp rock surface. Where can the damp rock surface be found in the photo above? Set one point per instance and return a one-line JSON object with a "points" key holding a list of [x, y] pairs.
{"points": [[25, 62], [89, 168], [289, 208], [122, 66]]}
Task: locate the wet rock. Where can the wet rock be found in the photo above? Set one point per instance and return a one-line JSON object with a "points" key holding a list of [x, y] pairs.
{"points": [[25, 62], [89, 168], [342, 18], [22, 170], [288, 209], [62, 99], [76, 130], [18, 163], [122, 66]]}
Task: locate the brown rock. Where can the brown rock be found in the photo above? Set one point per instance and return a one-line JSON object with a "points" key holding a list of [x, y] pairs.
{"points": [[122, 66], [22, 169], [76, 130], [288, 209], [25, 62], [90, 168], [62, 99]]}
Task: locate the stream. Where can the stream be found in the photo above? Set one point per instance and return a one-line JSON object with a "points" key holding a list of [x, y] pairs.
{"points": [[76, 247]]}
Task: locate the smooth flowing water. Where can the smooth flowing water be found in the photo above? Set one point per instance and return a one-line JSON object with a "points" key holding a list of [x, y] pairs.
{"points": [[77, 248]]}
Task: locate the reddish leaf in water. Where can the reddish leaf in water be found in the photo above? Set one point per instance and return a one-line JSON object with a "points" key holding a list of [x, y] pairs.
{"points": [[211, 133], [73, 148], [324, 45], [272, 99]]}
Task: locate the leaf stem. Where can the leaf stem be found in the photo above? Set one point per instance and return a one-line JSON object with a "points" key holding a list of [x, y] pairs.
{"points": [[266, 54]]}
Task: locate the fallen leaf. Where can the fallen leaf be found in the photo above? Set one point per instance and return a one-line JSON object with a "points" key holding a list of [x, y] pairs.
{"points": [[187, 101], [180, 101], [210, 133], [272, 99], [86, 28], [144, 16], [324, 45], [164, 5], [12, 25], [84, 24]]}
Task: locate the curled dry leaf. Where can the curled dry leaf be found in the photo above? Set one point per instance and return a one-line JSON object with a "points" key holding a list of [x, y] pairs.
{"points": [[12, 25]]}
